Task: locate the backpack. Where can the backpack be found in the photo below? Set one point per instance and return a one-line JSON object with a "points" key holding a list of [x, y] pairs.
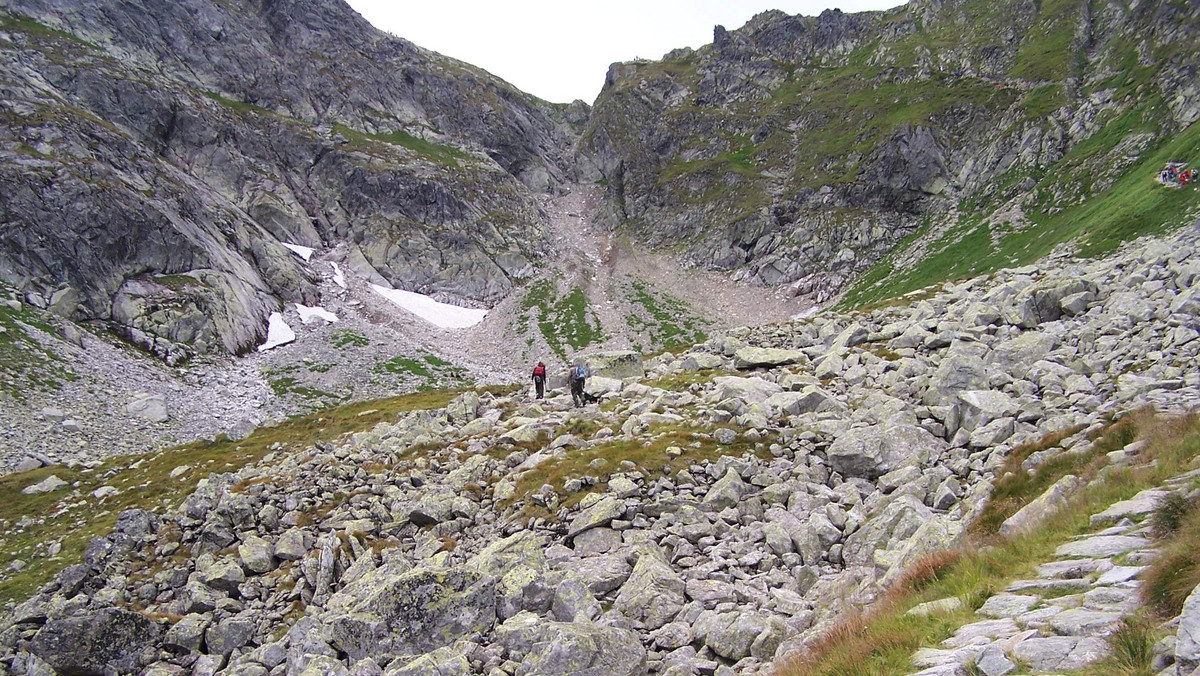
{"points": [[576, 372], [539, 371]]}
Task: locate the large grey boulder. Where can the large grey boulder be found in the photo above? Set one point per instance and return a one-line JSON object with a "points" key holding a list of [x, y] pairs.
{"points": [[737, 634], [980, 407], [654, 592], [547, 648], [889, 529], [389, 611], [152, 407], [811, 399], [617, 364], [89, 643], [962, 369], [871, 452], [446, 661], [749, 390], [600, 513], [1043, 506], [755, 357]]}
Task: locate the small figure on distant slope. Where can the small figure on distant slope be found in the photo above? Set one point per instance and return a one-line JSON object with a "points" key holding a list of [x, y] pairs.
{"points": [[576, 377], [539, 379]]}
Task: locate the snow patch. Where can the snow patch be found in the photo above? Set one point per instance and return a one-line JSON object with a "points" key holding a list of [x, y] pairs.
{"points": [[301, 251], [278, 333], [439, 314], [309, 314], [807, 312], [338, 277]]}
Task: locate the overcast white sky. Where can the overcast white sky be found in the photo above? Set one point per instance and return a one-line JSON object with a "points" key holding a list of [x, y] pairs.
{"points": [[560, 50]]}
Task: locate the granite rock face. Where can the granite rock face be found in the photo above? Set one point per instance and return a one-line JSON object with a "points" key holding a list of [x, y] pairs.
{"points": [[161, 155]]}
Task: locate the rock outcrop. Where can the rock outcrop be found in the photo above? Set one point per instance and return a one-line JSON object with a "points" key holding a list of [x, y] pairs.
{"points": [[154, 159]]}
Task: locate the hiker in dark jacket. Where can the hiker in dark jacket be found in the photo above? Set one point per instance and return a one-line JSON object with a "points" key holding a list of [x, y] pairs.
{"points": [[539, 379], [576, 377]]}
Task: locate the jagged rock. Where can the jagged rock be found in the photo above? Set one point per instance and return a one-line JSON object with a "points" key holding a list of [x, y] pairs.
{"points": [[654, 593], [809, 400], [399, 612], [870, 452], [90, 642], [463, 409], [1043, 506]]}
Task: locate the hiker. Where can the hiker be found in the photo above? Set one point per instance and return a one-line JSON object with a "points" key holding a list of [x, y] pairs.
{"points": [[576, 377], [539, 379]]}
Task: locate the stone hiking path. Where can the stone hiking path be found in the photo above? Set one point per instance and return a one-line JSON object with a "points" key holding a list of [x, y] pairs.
{"points": [[1061, 620]]}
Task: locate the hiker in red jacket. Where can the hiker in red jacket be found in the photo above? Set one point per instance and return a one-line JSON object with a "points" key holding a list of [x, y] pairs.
{"points": [[539, 379]]}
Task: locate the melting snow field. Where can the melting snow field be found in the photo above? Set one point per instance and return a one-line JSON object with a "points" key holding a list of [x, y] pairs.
{"points": [[310, 314], [301, 251], [338, 277], [278, 333], [439, 314]]}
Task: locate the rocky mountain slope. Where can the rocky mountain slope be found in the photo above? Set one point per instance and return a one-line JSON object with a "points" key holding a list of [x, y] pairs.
{"points": [[936, 140], [155, 157], [718, 512]]}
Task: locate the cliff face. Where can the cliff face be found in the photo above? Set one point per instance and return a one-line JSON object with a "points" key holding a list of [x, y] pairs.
{"points": [[804, 149], [155, 156]]}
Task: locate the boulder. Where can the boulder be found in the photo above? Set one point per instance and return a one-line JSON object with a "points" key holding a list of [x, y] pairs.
{"points": [[463, 409], [599, 514], [889, 529], [406, 612], [446, 661], [1187, 640], [50, 483], [614, 364], [728, 491], [598, 386], [755, 357], [654, 592], [152, 407], [963, 369], [811, 399], [1045, 505], [980, 407], [546, 648], [870, 452], [93, 642], [749, 390]]}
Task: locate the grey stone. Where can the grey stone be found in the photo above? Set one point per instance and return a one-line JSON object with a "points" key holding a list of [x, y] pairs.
{"points": [[1042, 507], [1102, 546], [152, 407], [226, 636], [47, 485], [1008, 605], [410, 611], [1187, 638], [993, 662], [653, 594], [90, 642], [870, 452]]}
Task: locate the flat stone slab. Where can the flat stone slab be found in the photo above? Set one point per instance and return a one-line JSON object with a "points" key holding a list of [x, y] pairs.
{"points": [[1050, 585], [1102, 546], [970, 634], [1075, 569], [1112, 599], [1120, 574], [934, 657], [1087, 651], [1040, 618], [1045, 654], [1008, 605], [1084, 622], [1138, 506]]}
